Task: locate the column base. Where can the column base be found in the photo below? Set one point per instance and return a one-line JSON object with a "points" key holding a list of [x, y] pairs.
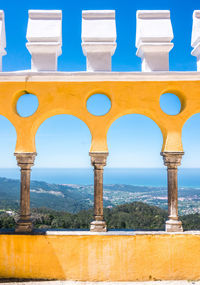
{"points": [[98, 226], [173, 226], [24, 227]]}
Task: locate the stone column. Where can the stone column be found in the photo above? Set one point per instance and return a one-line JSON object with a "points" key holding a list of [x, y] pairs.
{"points": [[25, 161], [98, 160], [172, 160]]}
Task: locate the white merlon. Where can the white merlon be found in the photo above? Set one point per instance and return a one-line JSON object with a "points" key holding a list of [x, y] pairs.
{"points": [[195, 42], [98, 38], [44, 35], [2, 37], [153, 39]]}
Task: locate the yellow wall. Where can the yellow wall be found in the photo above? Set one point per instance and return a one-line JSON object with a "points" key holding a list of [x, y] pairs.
{"points": [[101, 257], [140, 97]]}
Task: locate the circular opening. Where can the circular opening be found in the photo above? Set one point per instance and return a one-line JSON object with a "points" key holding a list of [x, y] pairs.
{"points": [[27, 105], [98, 104], [170, 104]]}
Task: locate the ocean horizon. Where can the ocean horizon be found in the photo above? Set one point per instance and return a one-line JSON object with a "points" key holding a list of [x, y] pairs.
{"points": [[188, 177]]}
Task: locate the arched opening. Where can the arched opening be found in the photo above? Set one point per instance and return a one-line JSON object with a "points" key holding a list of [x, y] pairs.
{"points": [[134, 141], [63, 141], [189, 181], [135, 178], [62, 177], [9, 186]]}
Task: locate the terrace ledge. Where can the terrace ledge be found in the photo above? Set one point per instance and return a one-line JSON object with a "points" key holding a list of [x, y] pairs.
{"points": [[89, 233]]}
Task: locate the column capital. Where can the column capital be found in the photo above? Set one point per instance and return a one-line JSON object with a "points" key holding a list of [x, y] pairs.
{"points": [[25, 160], [172, 159], [98, 159]]}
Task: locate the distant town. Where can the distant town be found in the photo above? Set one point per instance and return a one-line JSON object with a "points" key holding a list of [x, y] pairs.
{"points": [[73, 198]]}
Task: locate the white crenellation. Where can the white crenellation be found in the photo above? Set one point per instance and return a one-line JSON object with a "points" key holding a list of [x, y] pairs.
{"points": [[2, 37], [98, 38], [195, 42], [153, 39], [44, 35]]}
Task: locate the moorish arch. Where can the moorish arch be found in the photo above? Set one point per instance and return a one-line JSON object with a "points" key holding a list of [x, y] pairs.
{"points": [[81, 256], [69, 95], [134, 134], [129, 93], [73, 142]]}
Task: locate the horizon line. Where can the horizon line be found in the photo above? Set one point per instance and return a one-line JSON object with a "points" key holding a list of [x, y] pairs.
{"points": [[44, 167]]}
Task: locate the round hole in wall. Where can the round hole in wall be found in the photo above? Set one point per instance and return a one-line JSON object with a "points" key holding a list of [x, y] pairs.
{"points": [[98, 104], [27, 105], [170, 104]]}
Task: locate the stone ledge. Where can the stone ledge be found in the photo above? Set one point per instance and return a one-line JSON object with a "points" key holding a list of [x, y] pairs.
{"points": [[82, 76], [31, 282], [66, 232]]}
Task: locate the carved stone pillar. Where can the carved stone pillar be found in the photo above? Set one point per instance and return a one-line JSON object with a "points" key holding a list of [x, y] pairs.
{"points": [[98, 160], [172, 160], [25, 161]]}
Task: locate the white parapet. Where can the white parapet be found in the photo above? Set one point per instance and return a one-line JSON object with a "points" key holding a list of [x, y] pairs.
{"points": [[2, 37], [44, 35], [153, 39], [98, 38], [195, 42]]}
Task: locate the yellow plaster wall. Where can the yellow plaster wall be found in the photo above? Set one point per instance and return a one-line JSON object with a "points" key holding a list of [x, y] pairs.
{"points": [[126, 98], [101, 257]]}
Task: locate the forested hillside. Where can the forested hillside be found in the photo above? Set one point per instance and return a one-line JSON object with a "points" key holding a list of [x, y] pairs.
{"points": [[133, 216]]}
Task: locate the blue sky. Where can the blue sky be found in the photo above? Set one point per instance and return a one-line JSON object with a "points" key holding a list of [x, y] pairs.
{"points": [[64, 141]]}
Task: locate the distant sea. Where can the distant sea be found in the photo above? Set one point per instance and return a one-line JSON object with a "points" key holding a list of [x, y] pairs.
{"points": [[189, 177]]}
